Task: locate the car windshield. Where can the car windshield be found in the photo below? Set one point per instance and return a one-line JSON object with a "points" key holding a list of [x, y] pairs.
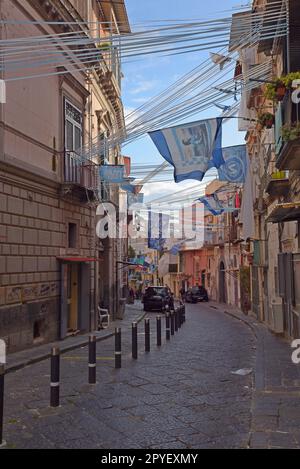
{"points": [[155, 291], [198, 290]]}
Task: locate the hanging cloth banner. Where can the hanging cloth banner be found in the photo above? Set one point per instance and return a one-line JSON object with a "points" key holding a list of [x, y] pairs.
{"points": [[235, 167], [113, 174], [212, 204], [191, 148], [157, 227]]}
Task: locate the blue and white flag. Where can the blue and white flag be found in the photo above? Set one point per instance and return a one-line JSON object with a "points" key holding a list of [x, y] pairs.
{"points": [[112, 173], [235, 167], [175, 249], [129, 188], [191, 148], [212, 204], [157, 228], [133, 199]]}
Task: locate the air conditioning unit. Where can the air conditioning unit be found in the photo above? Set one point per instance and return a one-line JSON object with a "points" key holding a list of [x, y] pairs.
{"points": [[277, 312]]}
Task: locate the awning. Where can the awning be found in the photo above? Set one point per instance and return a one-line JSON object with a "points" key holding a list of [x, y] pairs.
{"points": [[289, 211], [79, 259]]}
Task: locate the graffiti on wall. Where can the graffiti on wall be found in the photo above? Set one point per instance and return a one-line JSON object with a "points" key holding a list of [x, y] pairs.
{"points": [[33, 292]]}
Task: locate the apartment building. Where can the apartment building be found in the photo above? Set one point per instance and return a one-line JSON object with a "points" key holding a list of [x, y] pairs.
{"points": [[53, 269], [273, 149]]}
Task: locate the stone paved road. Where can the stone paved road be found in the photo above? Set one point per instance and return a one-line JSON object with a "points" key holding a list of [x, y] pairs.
{"points": [[180, 396]]}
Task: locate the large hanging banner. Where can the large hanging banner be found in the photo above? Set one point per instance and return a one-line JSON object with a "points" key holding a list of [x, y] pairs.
{"points": [[191, 148], [235, 167], [113, 174]]}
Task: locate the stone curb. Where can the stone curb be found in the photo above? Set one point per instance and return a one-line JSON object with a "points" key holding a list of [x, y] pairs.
{"points": [[64, 349], [238, 317]]}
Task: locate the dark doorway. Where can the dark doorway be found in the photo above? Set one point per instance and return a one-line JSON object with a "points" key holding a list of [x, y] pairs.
{"points": [[222, 286]]}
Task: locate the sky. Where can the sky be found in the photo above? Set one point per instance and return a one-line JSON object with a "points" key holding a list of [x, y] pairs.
{"points": [[145, 78]]}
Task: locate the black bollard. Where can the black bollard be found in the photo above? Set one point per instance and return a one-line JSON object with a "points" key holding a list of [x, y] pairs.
{"points": [[55, 372], [183, 314], [158, 330], [176, 320], [92, 359], [134, 341], [147, 335], [118, 348], [168, 326], [172, 323], [2, 374], [179, 317]]}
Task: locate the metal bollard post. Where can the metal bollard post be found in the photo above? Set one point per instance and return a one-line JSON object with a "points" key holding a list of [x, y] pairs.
{"points": [[168, 326], [179, 317], [172, 323], [55, 373], [92, 359], [118, 348], [183, 314], [147, 335], [134, 341], [176, 320], [2, 374], [158, 330]]}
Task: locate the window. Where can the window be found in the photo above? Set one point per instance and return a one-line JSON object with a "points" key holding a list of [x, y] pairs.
{"points": [[73, 127], [72, 235]]}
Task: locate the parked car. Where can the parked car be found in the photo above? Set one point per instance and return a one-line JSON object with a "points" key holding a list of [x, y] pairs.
{"points": [[195, 294], [157, 298]]}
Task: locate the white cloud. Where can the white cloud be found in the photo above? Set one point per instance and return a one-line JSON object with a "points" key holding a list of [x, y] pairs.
{"points": [[143, 86], [140, 100], [157, 190]]}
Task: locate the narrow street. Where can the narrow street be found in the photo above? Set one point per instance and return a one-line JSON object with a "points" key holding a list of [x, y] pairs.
{"points": [[180, 396]]}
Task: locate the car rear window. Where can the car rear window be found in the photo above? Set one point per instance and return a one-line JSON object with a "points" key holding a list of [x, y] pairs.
{"points": [[156, 291]]}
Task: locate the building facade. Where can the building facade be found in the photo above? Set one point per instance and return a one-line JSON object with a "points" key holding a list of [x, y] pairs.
{"points": [[53, 269], [274, 165]]}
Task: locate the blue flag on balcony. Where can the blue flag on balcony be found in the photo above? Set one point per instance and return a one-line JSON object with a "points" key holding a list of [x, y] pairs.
{"points": [[113, 174], [212, 204], [235, 167], [191, 148]]}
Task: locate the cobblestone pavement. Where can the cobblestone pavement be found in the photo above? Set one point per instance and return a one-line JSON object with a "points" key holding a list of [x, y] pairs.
{"points": [[182, 395]]}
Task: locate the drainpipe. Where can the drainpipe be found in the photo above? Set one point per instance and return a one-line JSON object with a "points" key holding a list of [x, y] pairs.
{"points": [[288, 50], [2, 75]]}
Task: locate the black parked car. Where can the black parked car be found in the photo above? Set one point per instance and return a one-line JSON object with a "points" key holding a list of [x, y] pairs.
{"points": [[195, 294], [158, 299]]}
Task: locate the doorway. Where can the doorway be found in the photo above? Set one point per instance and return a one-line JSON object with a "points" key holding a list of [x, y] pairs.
{"points": [[222, 286], [73, 297]]}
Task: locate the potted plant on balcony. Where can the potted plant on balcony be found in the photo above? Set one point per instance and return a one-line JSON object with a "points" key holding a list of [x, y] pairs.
{"points": [[276, 90], [289, 78], [290, 131], [266, 120]]}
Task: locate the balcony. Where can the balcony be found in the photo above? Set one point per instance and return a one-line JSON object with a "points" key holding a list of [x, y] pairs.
{"points": [[288, 150], [278, 184], [79, 178]]}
